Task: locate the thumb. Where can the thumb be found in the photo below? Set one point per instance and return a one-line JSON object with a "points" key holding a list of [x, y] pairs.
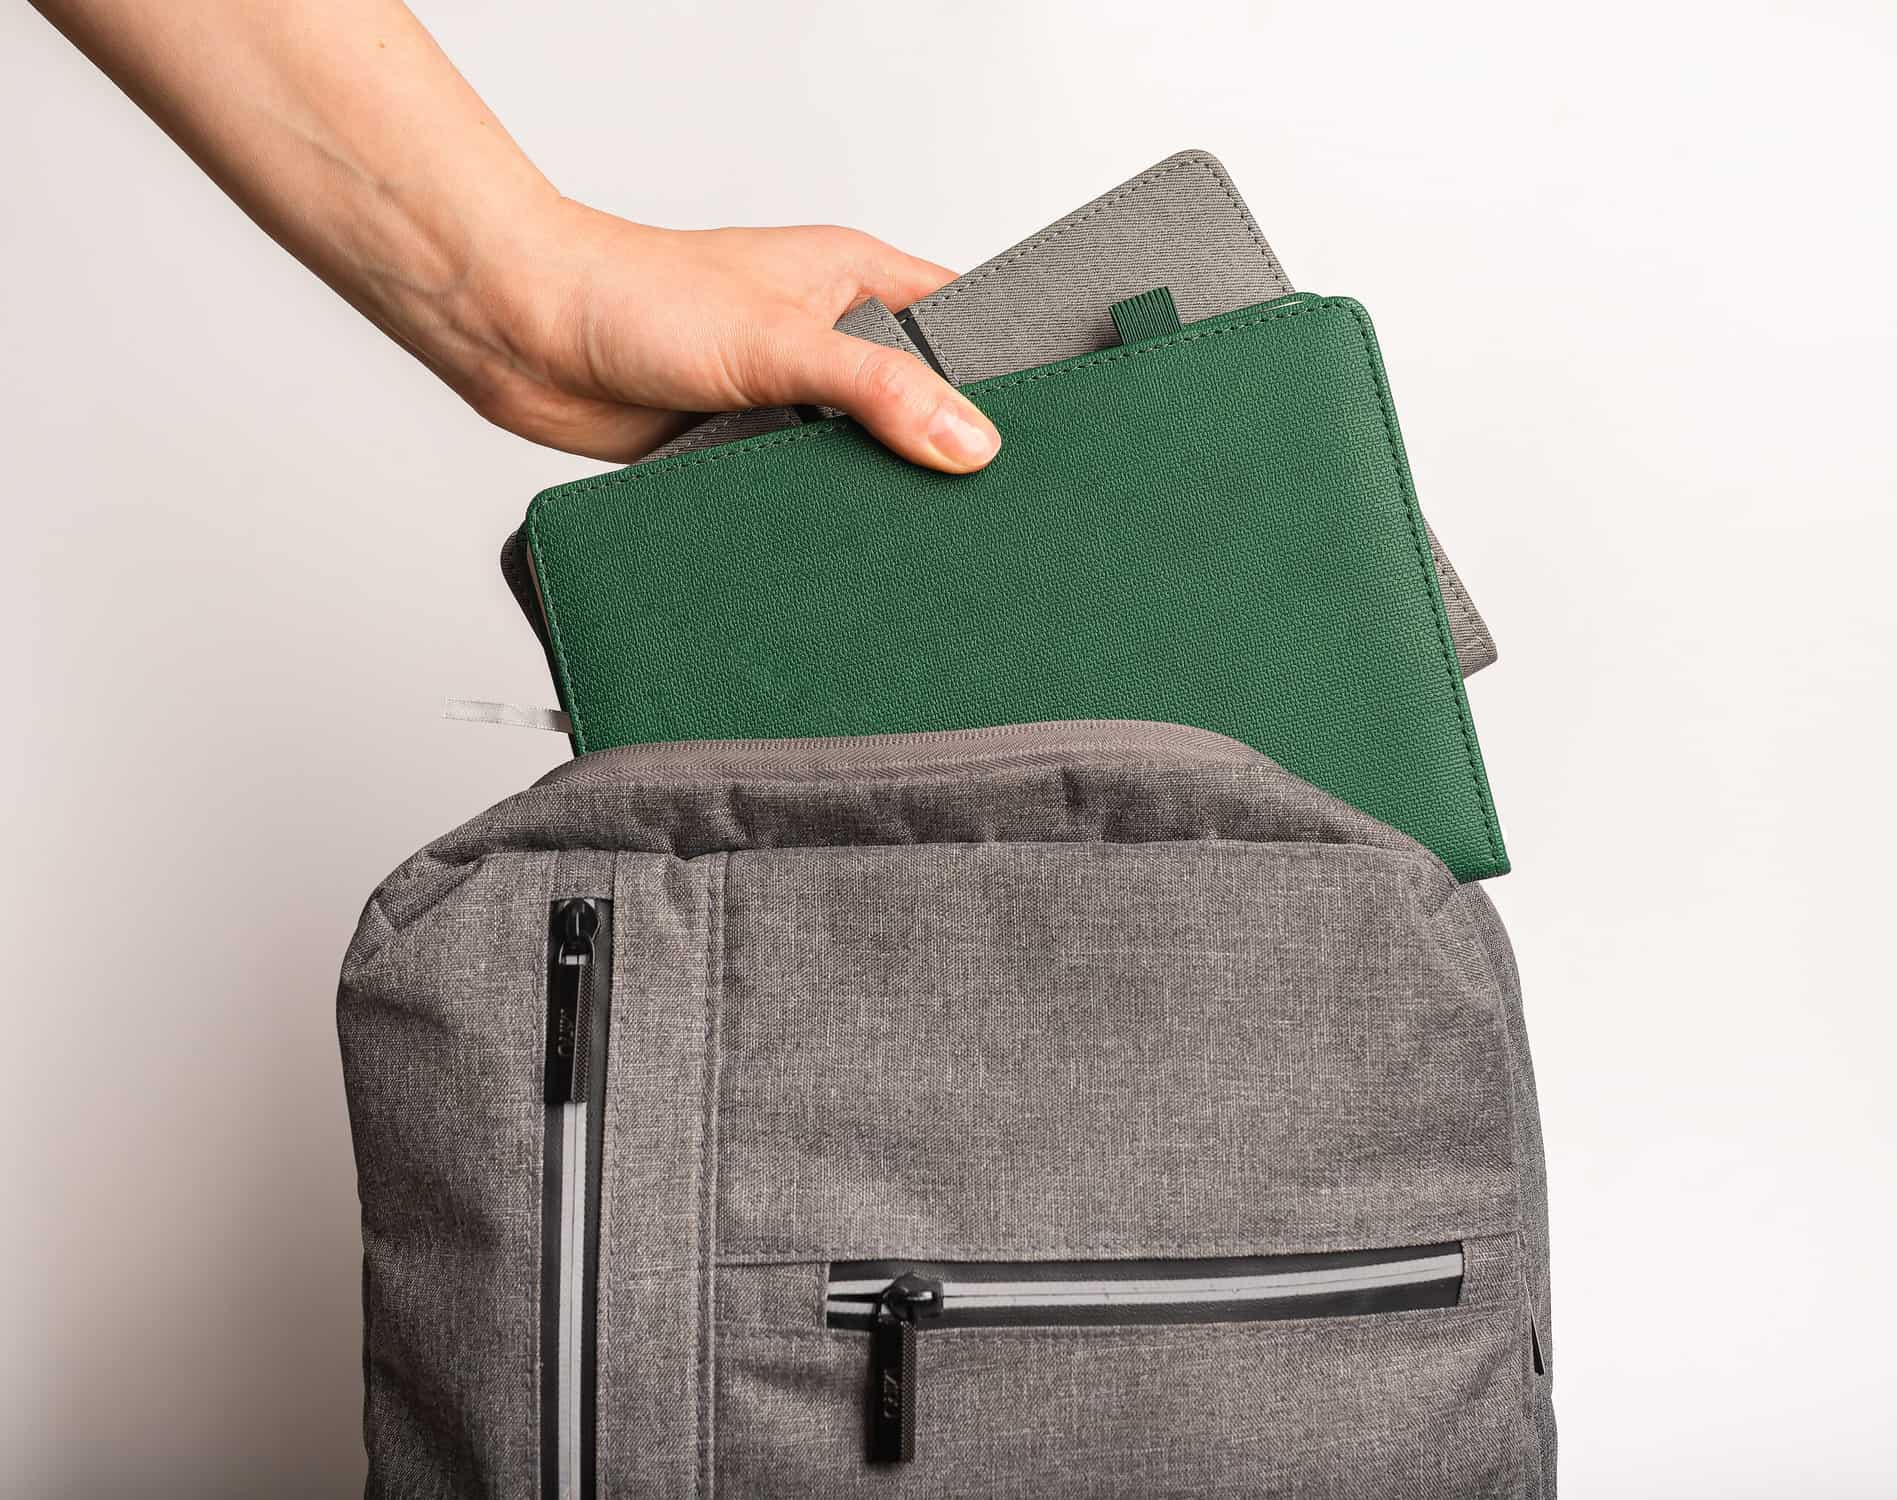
{"points": [[895, 395]]}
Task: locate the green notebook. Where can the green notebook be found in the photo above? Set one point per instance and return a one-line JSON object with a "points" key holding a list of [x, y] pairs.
{"points": [[1210, 525]]}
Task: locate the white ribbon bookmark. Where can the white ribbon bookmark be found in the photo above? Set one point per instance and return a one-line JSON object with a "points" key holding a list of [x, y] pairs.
{"points": [[515, 715]]}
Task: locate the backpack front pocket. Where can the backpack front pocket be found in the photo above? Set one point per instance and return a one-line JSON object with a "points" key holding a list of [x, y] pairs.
{"points": [[1393, 1374], [896, 1303]]}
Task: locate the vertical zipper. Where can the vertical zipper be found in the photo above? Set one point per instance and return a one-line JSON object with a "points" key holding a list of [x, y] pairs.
{"points": [[579, 1004], [901, 1306]]}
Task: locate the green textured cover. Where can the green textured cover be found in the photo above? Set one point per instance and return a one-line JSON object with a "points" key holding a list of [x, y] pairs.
{"points": [[1215, 527]]}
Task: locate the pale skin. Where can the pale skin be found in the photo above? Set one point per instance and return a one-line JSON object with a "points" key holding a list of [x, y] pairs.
{"points": [[344, 131]]}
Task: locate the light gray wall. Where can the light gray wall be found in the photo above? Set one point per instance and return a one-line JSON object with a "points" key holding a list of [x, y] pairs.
{"points": [[1632, 267]]}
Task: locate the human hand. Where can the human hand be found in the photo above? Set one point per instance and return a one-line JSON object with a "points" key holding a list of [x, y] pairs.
{"points": [[592, 334], [342, 129]]}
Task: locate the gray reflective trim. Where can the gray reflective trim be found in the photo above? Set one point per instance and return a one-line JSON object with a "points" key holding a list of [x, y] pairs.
{"points": [[572, 1303], [846, 1296]]}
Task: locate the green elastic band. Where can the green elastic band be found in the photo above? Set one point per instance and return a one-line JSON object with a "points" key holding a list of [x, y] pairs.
{"points": [[1150, 315]]}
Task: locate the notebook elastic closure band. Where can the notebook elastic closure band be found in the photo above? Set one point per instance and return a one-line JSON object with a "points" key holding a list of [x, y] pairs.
{"points": [[1150, 315]]}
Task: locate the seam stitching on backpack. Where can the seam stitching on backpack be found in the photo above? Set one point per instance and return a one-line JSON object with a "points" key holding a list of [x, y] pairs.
{"points": [[1290, 847], [602, 1290], [1322, 1326], [763, 1252], [1456, 912], [716, 885]]}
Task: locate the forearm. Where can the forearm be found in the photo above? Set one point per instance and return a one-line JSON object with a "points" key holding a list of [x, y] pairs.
{"points": [[349, 137], [342, 129]]}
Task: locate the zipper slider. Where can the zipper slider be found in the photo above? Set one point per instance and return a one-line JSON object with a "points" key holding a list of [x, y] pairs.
{"points": [[904, 1303], [570, 999]]}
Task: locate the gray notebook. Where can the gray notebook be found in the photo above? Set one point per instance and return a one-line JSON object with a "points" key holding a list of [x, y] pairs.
{"points": [[1180, 224]]}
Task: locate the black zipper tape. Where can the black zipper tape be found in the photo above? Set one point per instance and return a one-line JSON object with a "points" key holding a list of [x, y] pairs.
{"points": [[579, 1010]]}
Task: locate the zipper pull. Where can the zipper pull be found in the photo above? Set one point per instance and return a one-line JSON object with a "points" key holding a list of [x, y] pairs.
{"points": [[904, 1303], [569, 999]]}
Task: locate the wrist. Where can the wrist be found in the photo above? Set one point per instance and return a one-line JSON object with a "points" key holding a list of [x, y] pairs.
{"points": [[504, 313], [436, 251]]}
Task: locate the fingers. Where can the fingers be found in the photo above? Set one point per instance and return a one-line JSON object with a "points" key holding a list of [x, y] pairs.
{"points": [[895, 395], [903, 279], [893, 278]]}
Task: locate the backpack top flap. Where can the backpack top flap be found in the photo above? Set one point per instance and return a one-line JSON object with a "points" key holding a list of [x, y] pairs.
{"points": [[1109, 781]]}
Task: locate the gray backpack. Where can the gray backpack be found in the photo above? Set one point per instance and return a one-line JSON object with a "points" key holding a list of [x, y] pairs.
{"points": [[1087, 1109]]}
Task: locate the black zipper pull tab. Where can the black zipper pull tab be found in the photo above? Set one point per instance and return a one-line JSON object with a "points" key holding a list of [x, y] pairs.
{"points": [[904, 1303], [569, 998]]}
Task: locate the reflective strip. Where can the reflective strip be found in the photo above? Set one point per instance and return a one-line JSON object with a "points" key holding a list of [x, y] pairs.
{"points": [[572, 1304], [850, 1296]]}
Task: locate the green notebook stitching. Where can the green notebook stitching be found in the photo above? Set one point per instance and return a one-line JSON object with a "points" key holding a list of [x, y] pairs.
{"points": [[1213, 527]]}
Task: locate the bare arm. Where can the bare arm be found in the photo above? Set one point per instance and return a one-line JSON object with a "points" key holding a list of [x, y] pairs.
{"points": [[347, 135]]}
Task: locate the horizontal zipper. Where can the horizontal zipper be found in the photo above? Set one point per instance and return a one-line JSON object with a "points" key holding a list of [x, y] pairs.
{"points": [[895, 1301], [1197, 1290]]}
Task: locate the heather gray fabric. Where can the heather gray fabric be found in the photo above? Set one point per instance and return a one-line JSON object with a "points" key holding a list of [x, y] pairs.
{"points": [[441, 1048], [1107, 968], [660, 1164], [1498, 956], [1180, 224], [1040, 992]]}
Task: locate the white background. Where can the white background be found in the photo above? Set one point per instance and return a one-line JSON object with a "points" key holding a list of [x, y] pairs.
{"points": [[1632, 268]]}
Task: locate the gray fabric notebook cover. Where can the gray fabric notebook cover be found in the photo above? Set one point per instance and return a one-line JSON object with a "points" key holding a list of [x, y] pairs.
{"points": [[1180, 224]]}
